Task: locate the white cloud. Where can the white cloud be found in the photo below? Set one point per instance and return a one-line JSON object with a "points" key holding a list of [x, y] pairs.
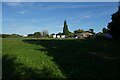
{"points": [[22, 12], [87, 16], [13, 25], [13, 3]]}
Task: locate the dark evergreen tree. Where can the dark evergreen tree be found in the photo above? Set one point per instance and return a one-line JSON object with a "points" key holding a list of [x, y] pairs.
{"points": [[65, 29], [114, 26]]}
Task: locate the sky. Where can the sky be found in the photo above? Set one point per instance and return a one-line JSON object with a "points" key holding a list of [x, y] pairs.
{"points": [[60, 0], [28, 17]]}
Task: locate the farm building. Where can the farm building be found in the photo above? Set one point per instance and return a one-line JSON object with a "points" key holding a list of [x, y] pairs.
{"points": [[83, 35], [54, 36], [62, 36], [58, 36]]}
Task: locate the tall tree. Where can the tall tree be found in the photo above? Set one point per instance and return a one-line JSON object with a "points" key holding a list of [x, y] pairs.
{"points": [[114, 26], [65, 29]]}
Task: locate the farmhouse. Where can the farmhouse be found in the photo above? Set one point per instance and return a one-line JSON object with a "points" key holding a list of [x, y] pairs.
{"points": [[54, 36], [84, 35], [58, 36], [62, 36]]}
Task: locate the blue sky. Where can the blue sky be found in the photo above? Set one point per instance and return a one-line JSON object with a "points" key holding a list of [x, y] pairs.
{"points": [[29, 17]]}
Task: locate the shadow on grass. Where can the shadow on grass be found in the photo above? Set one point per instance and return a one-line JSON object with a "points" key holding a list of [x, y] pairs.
{"points": [[12, 70], [80, 59]]}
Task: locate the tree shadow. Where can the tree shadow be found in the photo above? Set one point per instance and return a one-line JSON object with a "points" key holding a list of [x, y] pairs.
{"points": [[79, 58], [13, 70]]}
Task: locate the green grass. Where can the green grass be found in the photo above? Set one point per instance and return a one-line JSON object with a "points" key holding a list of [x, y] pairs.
{"points": [[28, 59]]}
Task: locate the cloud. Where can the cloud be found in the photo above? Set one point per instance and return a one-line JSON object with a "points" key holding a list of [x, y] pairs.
{"points": [[13, 4], [12, 0], [13, 25], [87, 16], [21, 12]]}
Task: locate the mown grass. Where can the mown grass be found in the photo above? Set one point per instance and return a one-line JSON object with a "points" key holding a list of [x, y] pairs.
{"points": [[60, 58]]}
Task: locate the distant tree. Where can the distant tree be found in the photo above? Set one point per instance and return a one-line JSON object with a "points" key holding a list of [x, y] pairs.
{"points": [[11, 36], [71, 34], [114, 26], [45, 33], [60, 33], [15, 36], [99, 35], [0, 35], [104, 30], [30, 36], [91, 30], [51, 35], [65, 29], [79, 31], [37, 35], [5, 35]]}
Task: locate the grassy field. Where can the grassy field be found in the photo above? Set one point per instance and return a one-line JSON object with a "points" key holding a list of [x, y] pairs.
{"points": [[32, 59]]}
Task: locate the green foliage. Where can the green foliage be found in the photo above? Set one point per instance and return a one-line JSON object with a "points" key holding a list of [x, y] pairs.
{"points": [[114, 26], [30, 36], [51, 35], [79, 31], [14, 36], [60, 33], [99, 35], [65, 29], [11, 36], [91, 30], [5, 35], [104, 30], [45, 33], [37, 34]]}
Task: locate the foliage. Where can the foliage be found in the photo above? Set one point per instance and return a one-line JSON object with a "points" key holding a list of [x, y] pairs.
{"points": [[114, 26], [65, 29], [37, 34], [104, 30], [11, 36], [30, 36], [51, 35], [100, 35], [60, 33], [79, 31], [45, 33], [91, 30], [5, 35]]}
